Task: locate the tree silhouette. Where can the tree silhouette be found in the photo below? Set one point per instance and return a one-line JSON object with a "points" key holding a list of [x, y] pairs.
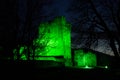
{"points": [[19, 30], [33, 13], [27, 26], [7, 27], [99, 16]]}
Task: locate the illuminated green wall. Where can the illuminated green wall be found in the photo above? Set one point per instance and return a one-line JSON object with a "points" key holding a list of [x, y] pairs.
{"points": [[83, 59], [54, 39]]}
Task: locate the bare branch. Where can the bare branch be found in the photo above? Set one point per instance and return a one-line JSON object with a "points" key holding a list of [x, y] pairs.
{"points": [[104, 25]]}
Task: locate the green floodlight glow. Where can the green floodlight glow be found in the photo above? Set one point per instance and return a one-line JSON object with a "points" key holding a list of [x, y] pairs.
{"points": [[21, 52], [106, 67], [54, 39], [87, 67], [83, 59], [46, 58]]}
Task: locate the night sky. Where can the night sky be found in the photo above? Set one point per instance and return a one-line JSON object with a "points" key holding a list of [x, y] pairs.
{"points": [[95, 28], [45, 11]]}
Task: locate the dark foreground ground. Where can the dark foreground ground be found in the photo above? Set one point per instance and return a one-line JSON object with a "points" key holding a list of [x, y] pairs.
{"points": [[27, 71]]}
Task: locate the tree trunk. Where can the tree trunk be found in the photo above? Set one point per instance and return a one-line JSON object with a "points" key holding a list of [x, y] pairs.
{"points": [[113, 46], [28, 26]]}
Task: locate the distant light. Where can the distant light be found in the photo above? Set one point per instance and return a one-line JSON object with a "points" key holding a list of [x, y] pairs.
{"points": [[106, 67], [86, 66]]}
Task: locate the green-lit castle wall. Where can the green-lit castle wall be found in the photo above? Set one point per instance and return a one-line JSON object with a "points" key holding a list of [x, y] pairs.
{"points": [[54, 39], [82, 58], [86, 57]]}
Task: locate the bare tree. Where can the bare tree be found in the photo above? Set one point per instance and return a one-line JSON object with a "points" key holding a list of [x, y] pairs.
{"points": [[99, 16], [27, 27]]}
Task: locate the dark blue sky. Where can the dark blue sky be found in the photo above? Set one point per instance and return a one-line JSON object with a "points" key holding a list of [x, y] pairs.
{"points": [[51, 9], [60, 8], [56, 8]]}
